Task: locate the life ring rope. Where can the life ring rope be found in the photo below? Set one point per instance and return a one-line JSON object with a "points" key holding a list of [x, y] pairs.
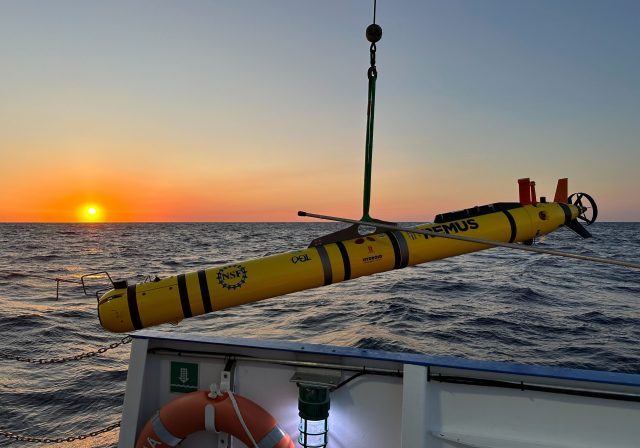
{"points": [[242, 422]]}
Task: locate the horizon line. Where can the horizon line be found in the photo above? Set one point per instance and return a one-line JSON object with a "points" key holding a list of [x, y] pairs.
{"points": [[310, 220]]}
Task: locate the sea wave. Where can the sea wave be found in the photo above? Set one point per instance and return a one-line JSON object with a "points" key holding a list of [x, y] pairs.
{"points": [[493, 305]]}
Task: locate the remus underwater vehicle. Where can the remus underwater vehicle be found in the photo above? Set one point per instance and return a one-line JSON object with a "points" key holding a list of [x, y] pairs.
{"points": [[130, 307]]}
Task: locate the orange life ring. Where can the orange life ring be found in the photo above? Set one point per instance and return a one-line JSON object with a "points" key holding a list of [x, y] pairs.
{"points": [[228, 413]]}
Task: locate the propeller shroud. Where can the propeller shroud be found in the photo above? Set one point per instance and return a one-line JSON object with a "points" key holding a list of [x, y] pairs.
{"points": [[589, 212]]}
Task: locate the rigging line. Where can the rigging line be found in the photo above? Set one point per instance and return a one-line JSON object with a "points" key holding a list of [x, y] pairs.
{"points": [[627, 264]]}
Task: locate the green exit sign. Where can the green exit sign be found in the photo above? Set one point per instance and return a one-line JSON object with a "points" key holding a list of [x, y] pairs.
{"points": [[184, 377]]}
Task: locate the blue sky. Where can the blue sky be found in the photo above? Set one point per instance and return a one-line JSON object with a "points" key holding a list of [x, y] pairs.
{"points": [[266, 100]]}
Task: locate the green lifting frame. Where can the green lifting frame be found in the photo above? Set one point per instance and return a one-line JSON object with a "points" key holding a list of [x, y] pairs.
{"points": [[368, 150], [374, 34]]}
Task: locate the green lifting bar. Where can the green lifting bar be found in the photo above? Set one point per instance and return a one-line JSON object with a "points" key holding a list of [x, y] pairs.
{"points": [[374, 34]]}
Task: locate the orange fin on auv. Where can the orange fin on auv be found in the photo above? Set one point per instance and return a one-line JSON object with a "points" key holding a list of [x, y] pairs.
{"points": [[562, 191]]}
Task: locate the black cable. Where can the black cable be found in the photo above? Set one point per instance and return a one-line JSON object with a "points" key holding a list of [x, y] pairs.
{"points": [[351, 378], [374, 11]]}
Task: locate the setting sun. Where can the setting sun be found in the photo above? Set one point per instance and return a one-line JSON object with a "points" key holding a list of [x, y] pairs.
{"points": [[90, 213]]}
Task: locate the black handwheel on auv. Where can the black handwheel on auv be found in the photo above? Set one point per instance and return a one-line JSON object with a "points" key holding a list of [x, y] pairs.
{"points": [[589, 212]]}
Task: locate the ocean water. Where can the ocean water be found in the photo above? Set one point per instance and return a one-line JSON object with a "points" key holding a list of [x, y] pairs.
{"points": [[498, 304]]}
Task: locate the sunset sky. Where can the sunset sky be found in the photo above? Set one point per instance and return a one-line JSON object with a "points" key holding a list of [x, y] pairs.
{"points": [[204, 110]]}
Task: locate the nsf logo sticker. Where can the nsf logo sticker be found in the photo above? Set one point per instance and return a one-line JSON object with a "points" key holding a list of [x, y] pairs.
{"points": [[232, 277]]}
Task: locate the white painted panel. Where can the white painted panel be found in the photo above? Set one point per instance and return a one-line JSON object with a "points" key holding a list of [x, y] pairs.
{"points": [[533, 417], [414, 407], [367, 413], [134, 399]]}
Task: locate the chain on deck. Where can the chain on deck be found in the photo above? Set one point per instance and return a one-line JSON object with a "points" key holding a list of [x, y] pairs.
{"points": [[85, 355], [78, 357], [22, 438]]}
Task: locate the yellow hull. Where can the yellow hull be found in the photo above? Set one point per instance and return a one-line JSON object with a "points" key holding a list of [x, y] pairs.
{"points": [[175, 298]]}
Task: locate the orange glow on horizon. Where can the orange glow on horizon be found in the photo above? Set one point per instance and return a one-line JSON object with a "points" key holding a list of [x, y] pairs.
{"points": [[200, 193]]}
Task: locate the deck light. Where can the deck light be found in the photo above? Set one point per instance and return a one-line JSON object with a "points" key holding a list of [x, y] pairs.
{"points": [[313, 407]]}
